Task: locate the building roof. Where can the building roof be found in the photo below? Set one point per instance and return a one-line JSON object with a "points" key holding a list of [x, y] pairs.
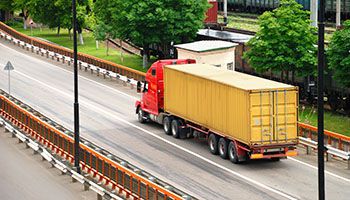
{"points": [[206, 45], [225, 35], [232, 78]]}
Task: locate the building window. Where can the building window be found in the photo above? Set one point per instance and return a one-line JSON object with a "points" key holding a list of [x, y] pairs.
{"points": [[230, 66]]}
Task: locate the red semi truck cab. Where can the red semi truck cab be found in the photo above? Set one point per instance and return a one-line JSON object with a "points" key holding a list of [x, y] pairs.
{"points": [[152, 99]]}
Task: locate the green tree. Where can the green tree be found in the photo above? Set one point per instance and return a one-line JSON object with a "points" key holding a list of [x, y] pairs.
{"points": [[152, 22], [7, 5], [339, 55], [58, 13], [285, 41], [23, 5]]}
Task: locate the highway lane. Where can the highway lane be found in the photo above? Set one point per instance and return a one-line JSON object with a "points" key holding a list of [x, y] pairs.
{"points": [[108, 119]]}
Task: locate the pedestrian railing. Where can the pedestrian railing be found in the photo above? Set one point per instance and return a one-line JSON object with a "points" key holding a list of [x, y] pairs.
{"points": [[106, 65], [118, 176]]}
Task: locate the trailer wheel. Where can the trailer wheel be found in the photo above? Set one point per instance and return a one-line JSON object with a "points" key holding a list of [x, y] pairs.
{"points": [[141, 116], [175, 128], [232, 153], [167, 125], [213, 143], [222, 148]]}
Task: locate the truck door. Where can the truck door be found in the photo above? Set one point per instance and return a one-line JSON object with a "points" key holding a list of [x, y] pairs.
{"points": [[286, 115], [151, 97], [274, 116]]}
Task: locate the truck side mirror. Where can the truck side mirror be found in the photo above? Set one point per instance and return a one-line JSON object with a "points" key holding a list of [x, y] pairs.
{"points": [[138, 87]]}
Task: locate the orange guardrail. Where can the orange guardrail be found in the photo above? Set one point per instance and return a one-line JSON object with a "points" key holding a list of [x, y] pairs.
{"points": [[104, 64], [330, 136], [135, 183]]}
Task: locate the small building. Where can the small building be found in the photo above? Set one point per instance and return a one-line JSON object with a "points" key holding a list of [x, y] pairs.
{"points": [[212, 52]]}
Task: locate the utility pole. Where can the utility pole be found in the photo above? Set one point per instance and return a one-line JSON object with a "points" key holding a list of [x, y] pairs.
{"points": [[76, 103], [338, 16], [320, 106], [313, 14], [225, 11]]}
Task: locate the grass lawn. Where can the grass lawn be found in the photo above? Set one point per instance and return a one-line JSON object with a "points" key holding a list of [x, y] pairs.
{"points": [[89, 46], [332, 121]]}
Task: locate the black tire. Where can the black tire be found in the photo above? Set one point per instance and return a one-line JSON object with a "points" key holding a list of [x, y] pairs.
{"points": [[232, 153], [167, 125], [175, 128], [213, 143], [222, 148], [141, 116]]}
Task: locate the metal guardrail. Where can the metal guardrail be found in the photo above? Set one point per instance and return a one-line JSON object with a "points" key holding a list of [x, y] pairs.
{"points": [[103, 64], [68, 60], [55, 143], [39, 149], [329, 150], [335, 140]]}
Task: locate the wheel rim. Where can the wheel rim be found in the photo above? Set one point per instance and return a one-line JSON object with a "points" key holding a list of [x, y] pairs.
{"points": [[231, 152], [221, 148], [166, 125], [140, 115], [211, 144], [174, 129]]}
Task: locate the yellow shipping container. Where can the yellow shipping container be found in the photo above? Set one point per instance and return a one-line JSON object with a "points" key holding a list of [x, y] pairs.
{"points": [[252, 110]]}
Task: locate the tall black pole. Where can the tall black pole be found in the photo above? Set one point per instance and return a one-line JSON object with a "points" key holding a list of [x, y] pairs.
{"points": [[76, 103], [320, 108]]}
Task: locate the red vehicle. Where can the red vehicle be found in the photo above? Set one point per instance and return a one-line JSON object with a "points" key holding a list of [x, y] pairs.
{"points": [[157, 96]]}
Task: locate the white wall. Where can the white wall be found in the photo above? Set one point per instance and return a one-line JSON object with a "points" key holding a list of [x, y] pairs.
{"points": [[218, 57]]}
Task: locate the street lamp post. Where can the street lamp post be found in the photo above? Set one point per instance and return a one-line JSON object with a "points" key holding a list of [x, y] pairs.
{"points": [[76, 103], [320, 108]]}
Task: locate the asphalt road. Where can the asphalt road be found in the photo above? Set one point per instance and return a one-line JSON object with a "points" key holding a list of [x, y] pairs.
{"points": [[24, 176], [108, 119]]}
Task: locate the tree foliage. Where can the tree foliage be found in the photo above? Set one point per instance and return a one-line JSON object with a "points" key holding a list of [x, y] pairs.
{"points": [[58, 13], [339, 55], [285, 41], [7, 5], [152, 22]]}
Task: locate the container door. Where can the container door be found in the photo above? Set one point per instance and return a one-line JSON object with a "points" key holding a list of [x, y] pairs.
{"points": [[273, 116], [262, 117], [285, 111]]}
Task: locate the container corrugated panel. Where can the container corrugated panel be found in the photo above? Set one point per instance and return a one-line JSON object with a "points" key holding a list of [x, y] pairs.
{"points": [[236, 105]]}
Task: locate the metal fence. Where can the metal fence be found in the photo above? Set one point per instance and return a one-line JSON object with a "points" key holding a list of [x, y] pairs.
{"points": [[110, 170]]}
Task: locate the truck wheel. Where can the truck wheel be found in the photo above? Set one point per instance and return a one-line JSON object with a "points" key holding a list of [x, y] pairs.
{"points": [[141, 116], [213, 143], [232, 153], [222, 148], [167, 125], [175, 128]]}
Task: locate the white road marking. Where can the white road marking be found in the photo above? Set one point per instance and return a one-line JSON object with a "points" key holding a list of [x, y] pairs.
{"points": [[82, 77], [134, 98], [166, 141], [93, 107], [314, 167]]}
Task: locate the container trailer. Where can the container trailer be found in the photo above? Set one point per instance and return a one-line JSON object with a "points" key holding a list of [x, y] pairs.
{"points": [[242, 116]]}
